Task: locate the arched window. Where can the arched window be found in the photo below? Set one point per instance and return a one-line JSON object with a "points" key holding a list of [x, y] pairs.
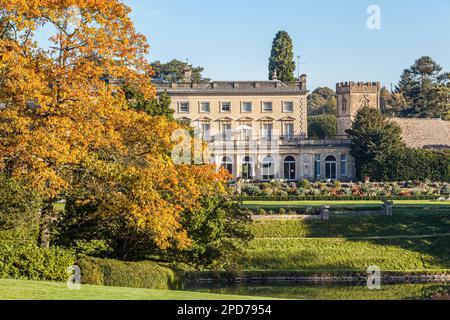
{"points": [[268, 168], [227, 163], [330, 168], [289, 168], [247, 168], [344, 104]]}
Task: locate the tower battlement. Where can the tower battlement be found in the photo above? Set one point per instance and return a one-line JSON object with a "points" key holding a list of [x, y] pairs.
{"points": [[351, 97], [352, 86]]}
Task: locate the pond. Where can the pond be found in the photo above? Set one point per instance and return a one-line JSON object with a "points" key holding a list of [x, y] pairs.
{"points": [[327, 292]]}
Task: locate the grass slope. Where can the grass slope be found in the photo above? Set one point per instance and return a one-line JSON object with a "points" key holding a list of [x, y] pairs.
{"points": [[36, 290], [342, 244], [404, 222]]}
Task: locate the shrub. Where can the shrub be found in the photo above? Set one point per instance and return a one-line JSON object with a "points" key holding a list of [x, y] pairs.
{"points": [[145, 274], [304, 184], [28, 261], [261, 212], [251, 190], [282, 211]]}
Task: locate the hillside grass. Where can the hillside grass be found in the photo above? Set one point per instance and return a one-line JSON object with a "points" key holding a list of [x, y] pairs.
{"points": [[404, 222], [36, 290], [344, 243], [347, 255]]}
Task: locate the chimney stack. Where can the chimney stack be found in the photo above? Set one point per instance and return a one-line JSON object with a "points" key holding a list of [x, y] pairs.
{"points": [[187, 75]]}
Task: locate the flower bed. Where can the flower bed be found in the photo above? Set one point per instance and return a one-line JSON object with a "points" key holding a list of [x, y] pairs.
{"points": [[305, 190]]}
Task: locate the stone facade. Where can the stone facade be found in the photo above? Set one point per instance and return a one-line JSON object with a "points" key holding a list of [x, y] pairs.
{"points": [[351, 96], [258, 130], [416, 133]]}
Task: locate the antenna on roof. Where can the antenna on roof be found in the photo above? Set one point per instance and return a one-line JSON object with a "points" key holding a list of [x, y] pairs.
{"points": [[299, 57]]}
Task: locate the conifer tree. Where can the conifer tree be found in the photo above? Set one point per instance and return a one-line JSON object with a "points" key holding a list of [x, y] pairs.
{"points": [[281, 61]]}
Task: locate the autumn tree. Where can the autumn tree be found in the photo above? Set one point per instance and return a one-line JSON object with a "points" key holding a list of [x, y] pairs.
{"points": [[67, 127]]}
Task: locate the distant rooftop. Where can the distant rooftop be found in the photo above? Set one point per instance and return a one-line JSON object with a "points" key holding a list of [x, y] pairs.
{"points": [[425, 133]]}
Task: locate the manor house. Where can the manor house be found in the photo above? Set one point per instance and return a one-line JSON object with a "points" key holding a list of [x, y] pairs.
{"points": [[258, 130]]}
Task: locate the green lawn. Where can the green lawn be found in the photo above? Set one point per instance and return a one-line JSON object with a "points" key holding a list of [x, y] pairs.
{"points": [[353, 243], [347, 255], [404, 222], [36, 290]]}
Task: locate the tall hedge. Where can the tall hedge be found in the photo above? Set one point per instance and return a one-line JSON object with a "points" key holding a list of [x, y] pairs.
{"points": [[145, 274], [416, 164]]}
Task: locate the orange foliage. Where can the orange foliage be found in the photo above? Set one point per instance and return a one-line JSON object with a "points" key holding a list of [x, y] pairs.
{"points": [[64, 128]]}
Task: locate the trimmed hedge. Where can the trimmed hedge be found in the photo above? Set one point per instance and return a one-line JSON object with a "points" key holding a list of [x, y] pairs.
{"points": [[145, 274], [417, 164], [28, 261], [325, 198]]}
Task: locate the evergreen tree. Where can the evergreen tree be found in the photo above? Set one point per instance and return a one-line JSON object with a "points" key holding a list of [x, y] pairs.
{"points": [[424, 89], [373, 139], [173, 71], [322, 101], [281, 60], [155, 107], [322, 127]]}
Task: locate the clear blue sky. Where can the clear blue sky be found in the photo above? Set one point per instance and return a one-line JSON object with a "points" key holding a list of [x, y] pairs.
{"points": [[232, 38]]}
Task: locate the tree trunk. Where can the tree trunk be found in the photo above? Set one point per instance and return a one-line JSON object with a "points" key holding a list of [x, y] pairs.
{"points": [[47, 217]]}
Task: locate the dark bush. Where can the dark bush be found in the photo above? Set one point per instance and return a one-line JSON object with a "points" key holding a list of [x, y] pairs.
{"points": [[415, 164]]}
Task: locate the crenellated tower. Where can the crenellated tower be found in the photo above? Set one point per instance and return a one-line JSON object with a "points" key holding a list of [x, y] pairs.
{"points": [[351, 96]]}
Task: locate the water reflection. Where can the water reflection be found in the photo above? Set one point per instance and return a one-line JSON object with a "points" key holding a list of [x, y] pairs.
{"points": [[329, 292]]}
